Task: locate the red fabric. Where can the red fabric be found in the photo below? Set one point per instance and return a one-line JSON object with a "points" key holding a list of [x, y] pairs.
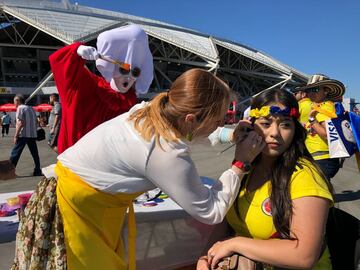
{"points": [[87, 100], [43, 108]]}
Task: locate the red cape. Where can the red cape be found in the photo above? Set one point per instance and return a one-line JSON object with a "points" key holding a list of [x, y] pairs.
{"points": [[87, 100]]}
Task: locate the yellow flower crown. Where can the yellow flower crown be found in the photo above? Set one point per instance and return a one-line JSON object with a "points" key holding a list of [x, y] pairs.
{"points": [[265, 111]]}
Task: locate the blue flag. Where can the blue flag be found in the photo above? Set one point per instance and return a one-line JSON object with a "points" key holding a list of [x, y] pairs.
{"points": [[355, 126]]}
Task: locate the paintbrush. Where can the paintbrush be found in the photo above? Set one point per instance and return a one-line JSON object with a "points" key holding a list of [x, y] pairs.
{"points": [[243, 129], [227, 148], [120, 64]]}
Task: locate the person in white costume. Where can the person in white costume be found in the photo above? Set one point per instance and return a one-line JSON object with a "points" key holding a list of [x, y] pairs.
{"points": [[127, 71]]}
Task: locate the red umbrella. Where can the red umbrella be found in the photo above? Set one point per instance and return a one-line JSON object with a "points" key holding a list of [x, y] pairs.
{"points": [[8, 107], [43, 108]]}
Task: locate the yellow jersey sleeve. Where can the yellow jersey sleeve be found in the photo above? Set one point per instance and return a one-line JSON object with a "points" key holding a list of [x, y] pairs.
{"points": [[307, 181], [326, 109], [304, 110]]}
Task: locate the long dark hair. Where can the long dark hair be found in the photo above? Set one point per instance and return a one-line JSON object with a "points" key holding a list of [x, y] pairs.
{"points": [[284, 167]]}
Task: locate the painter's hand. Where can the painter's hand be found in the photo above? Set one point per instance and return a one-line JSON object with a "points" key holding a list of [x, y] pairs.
{"points": [[241, 131], [247, 149], [88, 52]]}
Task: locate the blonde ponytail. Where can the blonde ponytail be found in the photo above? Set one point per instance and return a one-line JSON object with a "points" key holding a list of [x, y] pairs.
{"points": [[196, 91], [149, 121]]}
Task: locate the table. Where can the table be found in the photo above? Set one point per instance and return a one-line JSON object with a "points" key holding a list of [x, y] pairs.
{"points": [[167, 237], [9, 225]]}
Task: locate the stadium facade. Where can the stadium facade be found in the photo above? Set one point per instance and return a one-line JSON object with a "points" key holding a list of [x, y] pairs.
{"points": [[31, 30]]}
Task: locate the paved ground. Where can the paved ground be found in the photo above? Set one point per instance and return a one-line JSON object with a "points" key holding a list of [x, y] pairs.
{"points": [[346, 183]]}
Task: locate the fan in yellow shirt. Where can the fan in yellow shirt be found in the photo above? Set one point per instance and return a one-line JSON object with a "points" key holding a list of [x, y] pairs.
{"points": [[323, 92], [317, 145], [304, 105], [251, 215], [280, 213]]}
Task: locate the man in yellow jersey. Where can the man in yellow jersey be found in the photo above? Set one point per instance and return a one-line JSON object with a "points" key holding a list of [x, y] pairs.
{"points": [[304, 105], [323, 92]]}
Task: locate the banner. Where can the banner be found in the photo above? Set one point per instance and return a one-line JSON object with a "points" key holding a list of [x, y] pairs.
{"points": [[5, 90], [341, 134], [355, 126], [336, 147]]}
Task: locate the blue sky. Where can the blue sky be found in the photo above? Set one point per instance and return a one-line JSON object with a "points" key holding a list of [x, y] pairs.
{"points": [[318, 36]]}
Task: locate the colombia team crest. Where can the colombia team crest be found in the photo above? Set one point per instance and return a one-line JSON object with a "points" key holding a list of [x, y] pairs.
{"points": [[266, 207]]}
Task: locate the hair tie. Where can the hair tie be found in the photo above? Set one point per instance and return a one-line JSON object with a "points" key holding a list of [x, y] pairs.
{"points": [[167, 96]]}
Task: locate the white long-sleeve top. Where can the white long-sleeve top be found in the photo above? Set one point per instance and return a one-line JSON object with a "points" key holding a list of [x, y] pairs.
{"points": [[114, 158]]}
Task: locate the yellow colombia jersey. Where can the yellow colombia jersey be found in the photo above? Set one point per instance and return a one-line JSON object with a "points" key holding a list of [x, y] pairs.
{"points": [[254, 218], [317, 146], [304, 110]]}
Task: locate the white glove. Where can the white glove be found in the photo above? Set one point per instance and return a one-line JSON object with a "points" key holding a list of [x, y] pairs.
{"points": [[88, 52]]}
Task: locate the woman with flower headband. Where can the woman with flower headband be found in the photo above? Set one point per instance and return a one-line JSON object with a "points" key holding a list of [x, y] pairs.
{"points": [[280, 213]]}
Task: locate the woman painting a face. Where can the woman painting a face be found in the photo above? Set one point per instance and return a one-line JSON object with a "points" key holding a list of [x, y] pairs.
{"points": [[282, 206], [100, 175]]}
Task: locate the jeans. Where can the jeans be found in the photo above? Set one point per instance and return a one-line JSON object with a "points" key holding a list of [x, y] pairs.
{"points": [[19, 147], [329, 166], [53, 138]]}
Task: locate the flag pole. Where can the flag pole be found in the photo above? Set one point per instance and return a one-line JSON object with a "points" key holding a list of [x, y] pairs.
{"points": [[49, 76]]}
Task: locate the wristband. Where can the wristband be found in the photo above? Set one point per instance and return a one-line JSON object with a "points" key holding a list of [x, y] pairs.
{"points": [[312, 119], [244, 166]]}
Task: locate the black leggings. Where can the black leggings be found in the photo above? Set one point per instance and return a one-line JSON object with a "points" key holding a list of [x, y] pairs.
{"points": [[329, 166], [5, 129]]}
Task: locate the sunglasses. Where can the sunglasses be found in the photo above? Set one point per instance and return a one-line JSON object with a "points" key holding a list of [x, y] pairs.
{"points": [[135, 72], [124, 68], [313, 90]]}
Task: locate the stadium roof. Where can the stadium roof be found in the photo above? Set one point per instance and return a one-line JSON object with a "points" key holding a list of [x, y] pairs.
{"points": [[71, 22]]}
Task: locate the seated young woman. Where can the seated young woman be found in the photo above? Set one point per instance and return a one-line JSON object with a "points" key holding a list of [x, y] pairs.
{"points": [[280, 213]]}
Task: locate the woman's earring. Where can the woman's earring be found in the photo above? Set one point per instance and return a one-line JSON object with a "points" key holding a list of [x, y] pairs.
{"points": [[189, 137]]}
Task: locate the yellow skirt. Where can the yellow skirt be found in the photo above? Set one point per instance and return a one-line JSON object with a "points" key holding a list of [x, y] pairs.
{"points": [[93, 222]]}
